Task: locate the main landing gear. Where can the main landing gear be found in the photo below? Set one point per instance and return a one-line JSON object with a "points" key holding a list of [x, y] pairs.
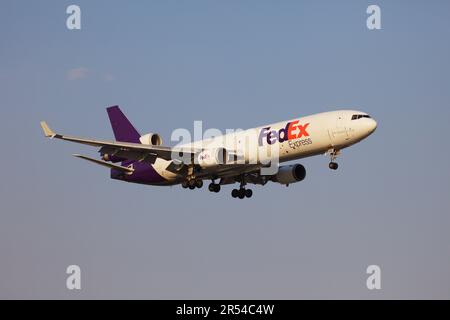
{"points": [[214, 187], [192, 184], [333, 155], [242, 192]]}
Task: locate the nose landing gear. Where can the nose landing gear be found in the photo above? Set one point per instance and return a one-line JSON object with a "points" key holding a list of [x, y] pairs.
{"points": [[333, 156], [333, 166]]}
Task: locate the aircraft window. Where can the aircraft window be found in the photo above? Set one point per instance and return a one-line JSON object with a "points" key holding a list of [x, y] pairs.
{"points": [[359, 116]]}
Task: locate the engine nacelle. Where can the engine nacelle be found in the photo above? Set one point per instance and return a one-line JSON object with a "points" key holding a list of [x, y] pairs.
{"points": [[151, 139], [290, 174], [212, 157]]}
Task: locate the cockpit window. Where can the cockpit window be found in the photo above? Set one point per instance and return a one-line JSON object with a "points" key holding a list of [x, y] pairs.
{"points": [[359, 116]]}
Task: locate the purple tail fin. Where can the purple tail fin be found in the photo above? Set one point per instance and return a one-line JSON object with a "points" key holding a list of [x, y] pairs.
{"points": [[122, 127]]}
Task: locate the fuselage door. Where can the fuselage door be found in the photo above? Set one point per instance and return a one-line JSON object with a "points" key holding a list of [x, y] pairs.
{"points": [[338, 132]]}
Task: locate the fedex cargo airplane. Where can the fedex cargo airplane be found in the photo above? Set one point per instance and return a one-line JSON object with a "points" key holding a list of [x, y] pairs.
{"points": [[223, 160]]}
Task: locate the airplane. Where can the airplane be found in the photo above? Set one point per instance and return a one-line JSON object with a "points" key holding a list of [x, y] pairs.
{"points": [[143, 159]]}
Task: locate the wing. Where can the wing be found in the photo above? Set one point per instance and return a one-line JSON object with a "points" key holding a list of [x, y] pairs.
{"points": [[147, 153], [126, 150]]}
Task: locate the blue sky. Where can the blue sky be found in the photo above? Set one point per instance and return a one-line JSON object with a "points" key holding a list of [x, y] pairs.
{"points": [[231, 64]]}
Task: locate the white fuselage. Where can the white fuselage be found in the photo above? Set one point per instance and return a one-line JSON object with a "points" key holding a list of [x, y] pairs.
{"points": [[292, 139]]}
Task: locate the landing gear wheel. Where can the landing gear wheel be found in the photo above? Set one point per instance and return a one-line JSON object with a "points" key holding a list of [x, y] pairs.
{"points": [[241, 193], [235, 193], [333, 156], [248, 193], [191, 183], [214, 187], [333, 166], [199, 184], [184, 184], [191, 187]]}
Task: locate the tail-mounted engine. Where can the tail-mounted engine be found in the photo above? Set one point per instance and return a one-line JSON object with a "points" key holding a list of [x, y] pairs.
{"points": [[151, 139]]}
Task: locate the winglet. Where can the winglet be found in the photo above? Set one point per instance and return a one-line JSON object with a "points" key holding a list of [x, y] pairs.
{"points": [[47, 131]]}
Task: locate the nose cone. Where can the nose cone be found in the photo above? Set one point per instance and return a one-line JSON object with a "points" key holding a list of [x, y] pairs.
{"points": [[371, 125]]}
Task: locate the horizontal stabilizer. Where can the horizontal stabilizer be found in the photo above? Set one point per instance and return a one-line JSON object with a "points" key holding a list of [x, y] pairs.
{"points": [[127, 170]]}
